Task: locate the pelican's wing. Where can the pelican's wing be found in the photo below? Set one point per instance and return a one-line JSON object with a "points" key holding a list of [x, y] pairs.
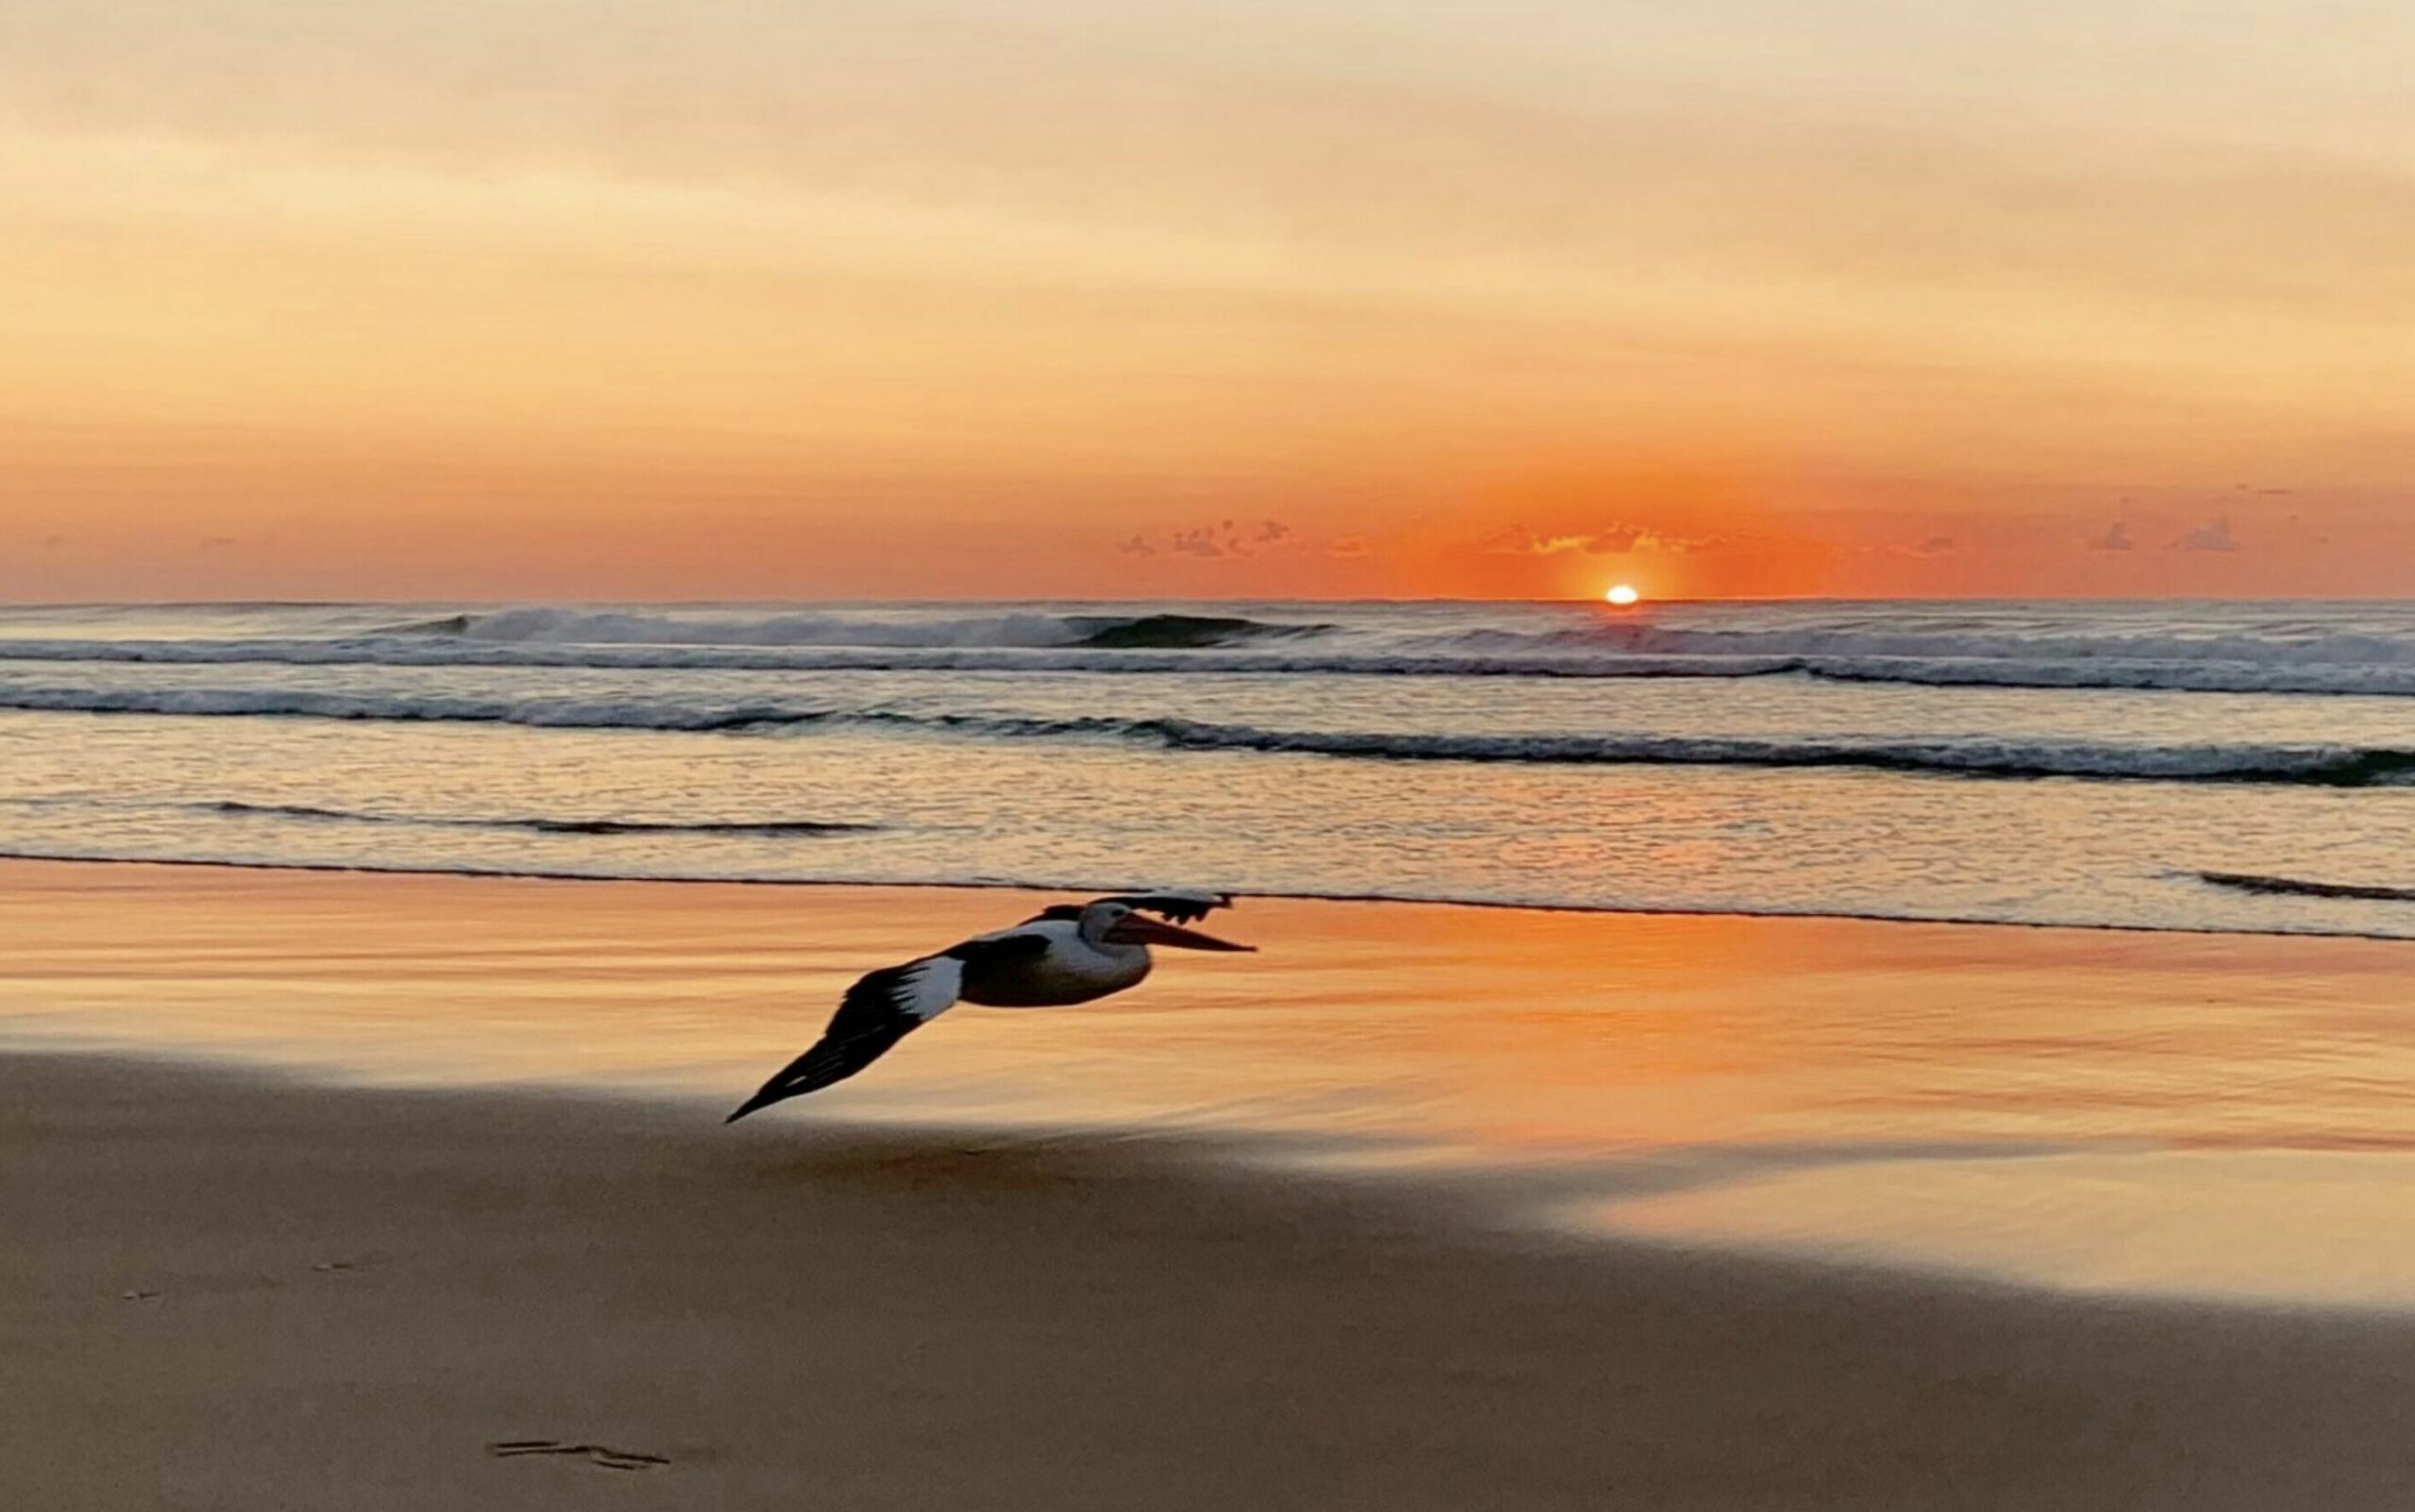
{"points": [[880, 1010], [1181, 905]]}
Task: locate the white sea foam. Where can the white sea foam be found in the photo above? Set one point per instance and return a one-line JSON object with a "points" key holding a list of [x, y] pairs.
{"points": [[2369, 654]]}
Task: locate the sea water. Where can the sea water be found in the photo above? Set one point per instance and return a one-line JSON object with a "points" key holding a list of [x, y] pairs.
{"points": [[2236, 766]]}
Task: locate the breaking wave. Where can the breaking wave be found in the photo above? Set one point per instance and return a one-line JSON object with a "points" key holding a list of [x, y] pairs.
{"points": [[295, 703], [1032, 629], [1184, 632], [2325, 766], [1174, 645], [2340, 766]]}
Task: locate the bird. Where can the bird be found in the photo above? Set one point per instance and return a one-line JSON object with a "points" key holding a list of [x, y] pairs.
{"points": [[1066, 954]]}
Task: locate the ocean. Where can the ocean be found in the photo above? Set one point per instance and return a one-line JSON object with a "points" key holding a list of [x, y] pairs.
{"points": [[2202, 766]]}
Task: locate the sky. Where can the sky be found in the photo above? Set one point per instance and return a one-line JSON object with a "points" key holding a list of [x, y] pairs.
{"points": [[473, 299]]}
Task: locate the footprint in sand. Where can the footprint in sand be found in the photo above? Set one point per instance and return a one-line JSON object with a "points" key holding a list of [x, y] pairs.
{"points": [[219, 1285], [337, 1267], [593, 1453]]}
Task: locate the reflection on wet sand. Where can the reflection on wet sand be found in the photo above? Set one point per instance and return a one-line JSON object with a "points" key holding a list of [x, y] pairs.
{"points": [[1618, 1057]]}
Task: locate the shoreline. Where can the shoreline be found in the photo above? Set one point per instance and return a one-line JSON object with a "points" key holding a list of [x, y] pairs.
{"points": [[243, 1293], [2246, 881]]}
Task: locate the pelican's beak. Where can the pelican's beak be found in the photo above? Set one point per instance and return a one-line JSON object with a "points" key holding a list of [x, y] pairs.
{"points": [[1137, 930]]}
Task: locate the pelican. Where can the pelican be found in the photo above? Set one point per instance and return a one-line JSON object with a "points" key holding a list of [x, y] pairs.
{"points": [[1071, 953]]}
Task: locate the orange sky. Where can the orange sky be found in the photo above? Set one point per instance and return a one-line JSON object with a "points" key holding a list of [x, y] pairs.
{"points": [[522, 298]]}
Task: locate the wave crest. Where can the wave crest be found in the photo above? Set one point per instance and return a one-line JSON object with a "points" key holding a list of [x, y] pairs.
{"points": [[2295, 887], [539, 826], [1197, 644], [1031, 630], [2341, 766], [1183, 632]]}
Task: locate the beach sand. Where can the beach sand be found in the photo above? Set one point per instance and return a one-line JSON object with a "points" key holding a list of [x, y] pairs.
{"points": [[229, 1288], [232, 1294]]}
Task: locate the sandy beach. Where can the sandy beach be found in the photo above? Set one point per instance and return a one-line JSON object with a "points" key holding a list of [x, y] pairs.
{"points": [[283, 1279], [228, 1292]]}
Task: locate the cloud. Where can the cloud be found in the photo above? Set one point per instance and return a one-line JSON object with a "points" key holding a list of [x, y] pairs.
{"points": [[1513, 541], [1215, 541], [2115, 537], [2214, 534], [53, 542], [1932, 546], [1678, 545], [217, 543], [1347, 547], [1618, 539]]}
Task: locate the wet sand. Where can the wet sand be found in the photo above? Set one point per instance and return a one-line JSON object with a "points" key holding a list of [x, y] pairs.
{"points": [[227, 1293], [229, 1288]]}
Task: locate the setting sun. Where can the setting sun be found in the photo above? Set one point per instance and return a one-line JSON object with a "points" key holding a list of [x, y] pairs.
{"points": [[1621, 594]]}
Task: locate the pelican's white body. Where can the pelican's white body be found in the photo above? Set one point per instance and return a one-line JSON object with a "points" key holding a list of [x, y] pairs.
{"points": [[1068, 970]]}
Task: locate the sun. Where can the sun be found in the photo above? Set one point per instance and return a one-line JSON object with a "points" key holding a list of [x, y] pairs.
{"points": [[1622, 594]]}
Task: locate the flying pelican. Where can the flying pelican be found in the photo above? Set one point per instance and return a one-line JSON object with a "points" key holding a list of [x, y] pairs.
{"points": [[1069, 954]]}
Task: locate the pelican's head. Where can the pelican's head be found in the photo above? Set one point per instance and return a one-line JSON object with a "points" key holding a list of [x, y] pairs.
{"points": [[1110, 922]]}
